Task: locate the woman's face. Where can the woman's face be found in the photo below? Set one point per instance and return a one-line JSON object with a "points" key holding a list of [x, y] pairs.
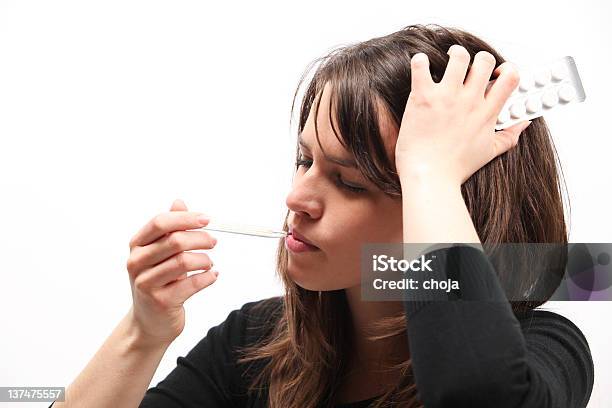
{"points": [[327, 211]]}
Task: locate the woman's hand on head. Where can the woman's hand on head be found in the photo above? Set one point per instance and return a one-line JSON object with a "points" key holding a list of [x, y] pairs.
{"points": [[158, 266], [448, 128]]}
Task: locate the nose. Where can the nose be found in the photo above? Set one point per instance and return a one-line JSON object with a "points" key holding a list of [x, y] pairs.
{"points": [[305, 199]]}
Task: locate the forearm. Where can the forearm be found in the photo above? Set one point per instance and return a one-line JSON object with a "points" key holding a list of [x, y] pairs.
{"points": [[435, 212], [469, 352], [458, 367], [119, 373]]}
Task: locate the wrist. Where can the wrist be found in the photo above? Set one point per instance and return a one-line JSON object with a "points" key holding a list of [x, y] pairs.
{"points": [[423, 178], [415, 173], [138, 339]]}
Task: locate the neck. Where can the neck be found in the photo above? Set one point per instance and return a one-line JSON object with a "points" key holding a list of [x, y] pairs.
{"points": [[373, 354]]}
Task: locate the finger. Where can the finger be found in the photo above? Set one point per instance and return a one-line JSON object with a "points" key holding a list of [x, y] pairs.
{"points": [[495, 75], [176, 293], [178, 205], [491, 82], [172, 244], [457, 66], [505, 83], [170, 269], [167, 222], [480, 72], [506, 139], [420, 77]]}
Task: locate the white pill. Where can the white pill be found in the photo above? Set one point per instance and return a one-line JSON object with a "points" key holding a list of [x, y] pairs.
{"points": [[550, 98], [566, 93], [517, 110], [526, 83], [559, 72], [533, 104], [542, 77], [504, 116]]}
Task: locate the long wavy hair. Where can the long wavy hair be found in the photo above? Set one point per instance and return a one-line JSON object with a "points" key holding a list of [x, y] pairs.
{"points": [[515, 198]]}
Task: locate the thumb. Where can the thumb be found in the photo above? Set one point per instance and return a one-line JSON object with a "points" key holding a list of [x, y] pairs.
{"points": [[508, 138], [178, 205]]}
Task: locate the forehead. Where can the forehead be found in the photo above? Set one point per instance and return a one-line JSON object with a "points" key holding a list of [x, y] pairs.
{"points": [[331, 145]]}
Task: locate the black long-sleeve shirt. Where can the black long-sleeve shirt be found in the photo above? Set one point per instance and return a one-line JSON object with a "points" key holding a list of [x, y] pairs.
{"points": [[464, 353]]}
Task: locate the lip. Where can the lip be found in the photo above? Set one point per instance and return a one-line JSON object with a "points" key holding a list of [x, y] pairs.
{"points": [[298, 243], [296, 234]]}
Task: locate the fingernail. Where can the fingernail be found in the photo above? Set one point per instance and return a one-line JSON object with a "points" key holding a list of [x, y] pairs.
{"points": [[419, 57], [203, 219]]}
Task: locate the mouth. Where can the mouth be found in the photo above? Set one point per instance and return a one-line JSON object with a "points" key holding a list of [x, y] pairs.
{"points": [[297, 241]]}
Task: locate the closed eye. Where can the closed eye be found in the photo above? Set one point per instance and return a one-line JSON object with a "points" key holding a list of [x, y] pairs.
{"points": [[303, 161]]}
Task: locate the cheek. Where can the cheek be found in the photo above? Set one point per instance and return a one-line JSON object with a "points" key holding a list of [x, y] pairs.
{"points": [[345, 227], [357, 226], [344, 258]]}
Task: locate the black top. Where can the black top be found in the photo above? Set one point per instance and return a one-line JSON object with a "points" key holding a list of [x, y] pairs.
{"points": [[464, 354]]}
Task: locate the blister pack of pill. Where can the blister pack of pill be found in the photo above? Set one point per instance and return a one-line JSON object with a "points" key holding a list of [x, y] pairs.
{"points": [[540, 90]]}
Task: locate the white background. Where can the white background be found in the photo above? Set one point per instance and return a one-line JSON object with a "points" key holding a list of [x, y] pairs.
{"points": [[110, 110]]}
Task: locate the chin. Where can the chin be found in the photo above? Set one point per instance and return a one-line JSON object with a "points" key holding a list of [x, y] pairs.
{"points": [[301, 277], [307, 279]]}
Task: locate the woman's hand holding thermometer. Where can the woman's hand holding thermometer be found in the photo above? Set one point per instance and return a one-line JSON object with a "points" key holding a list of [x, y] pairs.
{"points": [[158, 266]]}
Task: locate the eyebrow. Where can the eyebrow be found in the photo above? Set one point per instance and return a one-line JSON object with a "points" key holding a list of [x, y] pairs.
{"points": [[341, 162]]}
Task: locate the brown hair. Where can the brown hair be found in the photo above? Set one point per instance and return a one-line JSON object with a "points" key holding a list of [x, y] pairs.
{"points": [[514, 198]]}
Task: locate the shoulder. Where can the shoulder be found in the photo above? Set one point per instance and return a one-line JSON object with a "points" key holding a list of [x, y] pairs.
{"points": [[250, 322], [261, 309], [243, 327], [258, 311]]}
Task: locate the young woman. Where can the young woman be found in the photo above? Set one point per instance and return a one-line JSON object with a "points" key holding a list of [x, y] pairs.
{"points": [[396, 144]]}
